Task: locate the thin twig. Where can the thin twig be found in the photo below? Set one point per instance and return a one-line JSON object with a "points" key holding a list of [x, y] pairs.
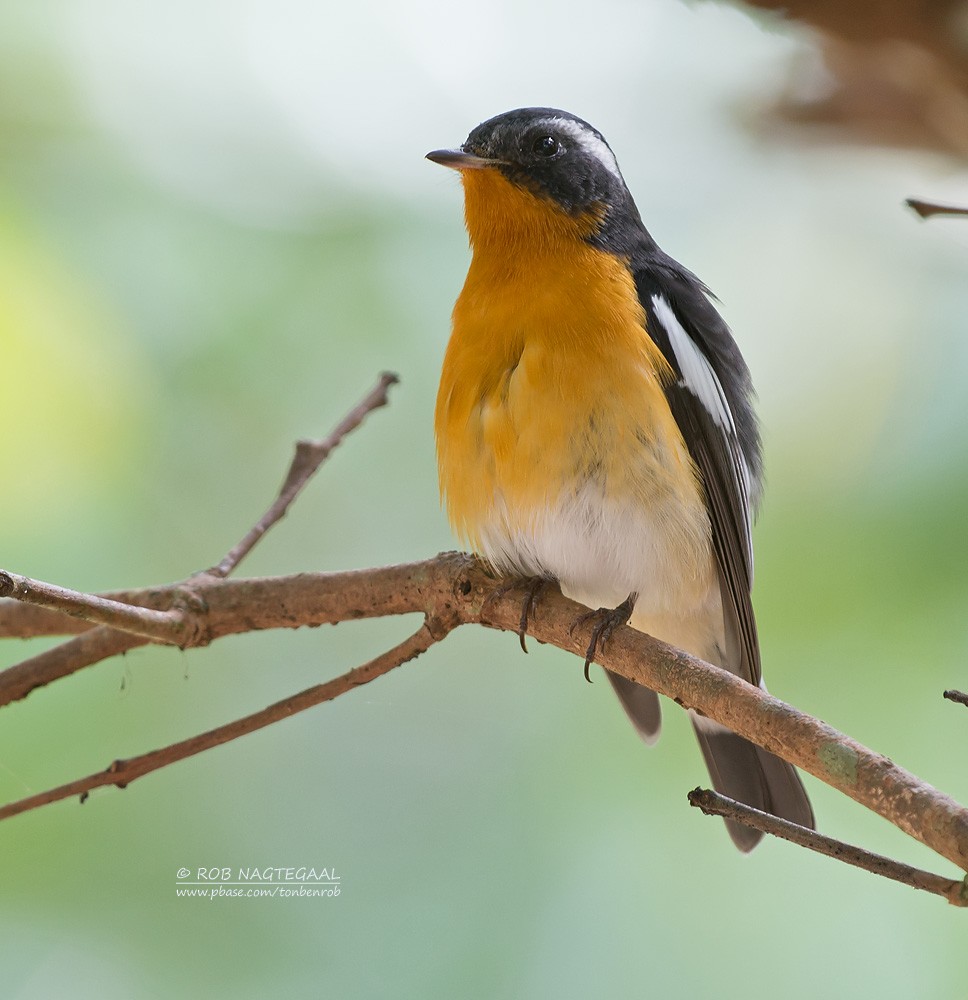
{"points": [[958, 696], [309, 456], [84, 650], [714, 804], [926, 209], [25, 621], [160, 626], [122, 772]]}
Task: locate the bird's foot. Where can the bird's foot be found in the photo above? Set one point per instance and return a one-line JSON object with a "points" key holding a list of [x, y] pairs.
{"points": [[532, 587], [606, 620]]}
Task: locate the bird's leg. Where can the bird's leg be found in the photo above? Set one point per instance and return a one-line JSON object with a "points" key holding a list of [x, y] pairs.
{"points": [[606, 621], [532, 586]]}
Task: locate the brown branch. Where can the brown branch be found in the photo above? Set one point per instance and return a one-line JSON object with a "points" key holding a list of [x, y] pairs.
{"points": [[26, 621], [175, 626], [84, 650], [957, 696], [309, 456], [869, 778], [173, 623], [168, 614], [449, 590], [456, 588], [229, 607], [714, 804], [926, 209], [122, 772]]}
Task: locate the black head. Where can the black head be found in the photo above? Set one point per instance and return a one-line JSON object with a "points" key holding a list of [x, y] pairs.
{"points": [[553, 152], [558, 156]]}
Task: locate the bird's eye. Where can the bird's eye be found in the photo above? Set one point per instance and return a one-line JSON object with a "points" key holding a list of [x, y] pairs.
{"points": [[546, 145]]}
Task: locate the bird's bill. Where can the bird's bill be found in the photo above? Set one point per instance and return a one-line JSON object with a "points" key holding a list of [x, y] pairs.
{"points": [[458, 159]]}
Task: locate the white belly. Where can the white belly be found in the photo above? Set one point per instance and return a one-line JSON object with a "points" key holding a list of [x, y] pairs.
{"points": [[601, 550]]}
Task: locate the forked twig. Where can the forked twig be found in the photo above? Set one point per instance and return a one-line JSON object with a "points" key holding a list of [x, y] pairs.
{"points": [[181, 621], [309, 456]]}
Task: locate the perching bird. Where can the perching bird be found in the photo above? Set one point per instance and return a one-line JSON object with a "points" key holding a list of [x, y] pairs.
{"points": [[594, 420]]}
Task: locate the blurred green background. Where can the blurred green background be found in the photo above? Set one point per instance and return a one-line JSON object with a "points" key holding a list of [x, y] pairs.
{"points": [[216, 228]]}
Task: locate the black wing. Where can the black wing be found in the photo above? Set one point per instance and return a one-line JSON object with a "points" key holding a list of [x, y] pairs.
{"points": [[711, 400], [710, 397]]}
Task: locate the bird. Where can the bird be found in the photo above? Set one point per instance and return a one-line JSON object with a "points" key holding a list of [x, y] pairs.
{"points": [[595, 424]]}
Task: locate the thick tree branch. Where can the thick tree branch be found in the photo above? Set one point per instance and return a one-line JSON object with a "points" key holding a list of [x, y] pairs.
{"points": [[959, 697]]}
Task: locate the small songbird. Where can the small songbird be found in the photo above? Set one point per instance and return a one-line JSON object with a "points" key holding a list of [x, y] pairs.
{"points": [[594, 421]]}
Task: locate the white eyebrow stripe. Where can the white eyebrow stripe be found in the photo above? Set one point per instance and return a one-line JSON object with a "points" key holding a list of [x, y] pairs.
{"points": [[590, 143]]}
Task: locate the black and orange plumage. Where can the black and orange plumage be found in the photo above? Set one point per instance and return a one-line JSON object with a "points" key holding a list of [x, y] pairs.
{"points": [[594, 420]]}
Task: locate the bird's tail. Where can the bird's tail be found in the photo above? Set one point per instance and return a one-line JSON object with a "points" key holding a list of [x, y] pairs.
{"points": [[751, 775], [738, 768]]}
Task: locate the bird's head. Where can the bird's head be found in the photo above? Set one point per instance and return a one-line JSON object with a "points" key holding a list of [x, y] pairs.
{"points": [[538, 171]]}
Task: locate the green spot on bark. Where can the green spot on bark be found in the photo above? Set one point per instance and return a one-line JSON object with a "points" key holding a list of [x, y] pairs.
{"points": [[840, 761], [963, 892]]}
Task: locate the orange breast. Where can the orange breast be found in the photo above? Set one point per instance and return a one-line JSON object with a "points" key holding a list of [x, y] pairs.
{"points": [[550, 380]]}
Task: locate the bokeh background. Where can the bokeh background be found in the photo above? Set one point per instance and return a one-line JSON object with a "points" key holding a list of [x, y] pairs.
{"points": [[216, 228]]}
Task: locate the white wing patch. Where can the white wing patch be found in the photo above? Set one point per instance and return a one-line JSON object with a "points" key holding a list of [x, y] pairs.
{"points": [[699, 377], [697, 373]]}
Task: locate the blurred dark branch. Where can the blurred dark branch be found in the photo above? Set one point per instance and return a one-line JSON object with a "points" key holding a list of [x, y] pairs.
{"points": [[958, 696], [894, 73], [714, 804], [926, 209]]}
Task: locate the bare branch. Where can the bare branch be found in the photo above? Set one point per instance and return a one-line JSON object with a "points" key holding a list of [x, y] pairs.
{"points": [[309, 456], [228, 607], [869, 778], [926, 209], [26, 621], [84, 650], [455, 588], [450, 590], [957, 696], [161, 626], [174, 622], [122, 772], [714, 804]]}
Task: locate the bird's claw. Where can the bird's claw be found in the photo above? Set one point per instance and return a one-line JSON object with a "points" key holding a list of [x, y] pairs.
{"points": [[532, 586], [606, 621]]}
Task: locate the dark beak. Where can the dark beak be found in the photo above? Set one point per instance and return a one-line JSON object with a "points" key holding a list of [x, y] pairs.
{"points": [[457, 159]]}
